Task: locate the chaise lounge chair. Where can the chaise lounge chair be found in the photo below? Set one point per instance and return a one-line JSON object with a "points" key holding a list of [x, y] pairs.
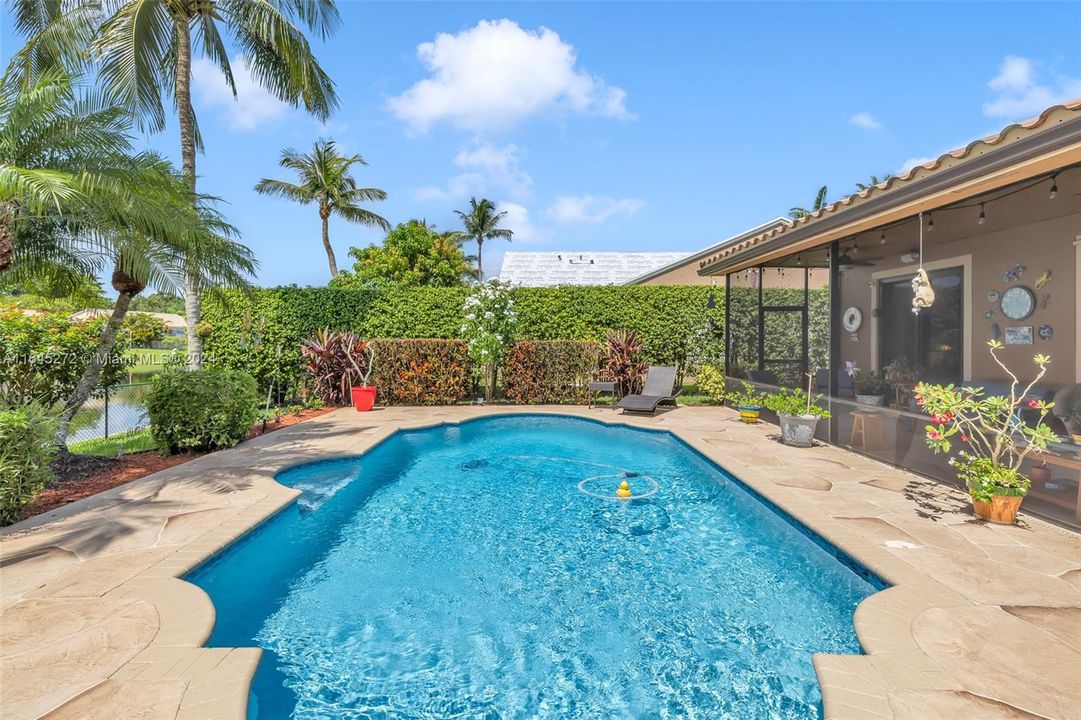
{"points": [[660, 381]]}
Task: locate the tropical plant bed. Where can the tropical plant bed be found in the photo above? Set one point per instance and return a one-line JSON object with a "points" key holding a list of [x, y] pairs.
{"points": [[80, 476]]}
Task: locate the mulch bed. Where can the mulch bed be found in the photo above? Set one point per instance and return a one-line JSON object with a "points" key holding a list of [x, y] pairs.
{"points": [[80, 476]]}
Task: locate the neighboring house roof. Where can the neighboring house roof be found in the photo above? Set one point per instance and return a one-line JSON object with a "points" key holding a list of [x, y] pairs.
{"points": [[172, 320], [1059, 120], [546, 269], [711, 250]]}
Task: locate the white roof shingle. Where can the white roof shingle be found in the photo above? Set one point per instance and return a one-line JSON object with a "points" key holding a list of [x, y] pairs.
{"points": [[546, 269]]}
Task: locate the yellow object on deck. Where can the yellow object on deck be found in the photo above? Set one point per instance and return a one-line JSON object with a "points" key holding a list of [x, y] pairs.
{"points": [[624, 490]]}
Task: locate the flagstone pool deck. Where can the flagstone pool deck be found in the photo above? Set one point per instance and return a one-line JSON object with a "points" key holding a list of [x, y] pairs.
{"points": [[980, 620]]}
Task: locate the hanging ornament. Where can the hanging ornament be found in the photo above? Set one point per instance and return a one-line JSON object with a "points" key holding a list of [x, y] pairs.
{"points": [[923, 295]]}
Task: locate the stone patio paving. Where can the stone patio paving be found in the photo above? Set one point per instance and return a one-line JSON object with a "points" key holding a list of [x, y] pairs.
{"points": [[981, 621]]}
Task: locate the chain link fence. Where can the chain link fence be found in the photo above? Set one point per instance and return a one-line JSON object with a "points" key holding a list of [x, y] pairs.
{"points": [[119, 409]]}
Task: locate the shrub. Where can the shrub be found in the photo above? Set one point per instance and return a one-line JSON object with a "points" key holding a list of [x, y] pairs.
{"points": [[26, 448], [747, 396], [201, 410], [795, 402], [711, 381], [623, 363], [42, 357], [335, 362], [550, 371], [488, 327], [422, 372], [249, 327], [142, 329]]}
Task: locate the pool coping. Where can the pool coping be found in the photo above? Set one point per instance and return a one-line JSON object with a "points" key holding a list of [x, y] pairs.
{"points": [[217, 680]]}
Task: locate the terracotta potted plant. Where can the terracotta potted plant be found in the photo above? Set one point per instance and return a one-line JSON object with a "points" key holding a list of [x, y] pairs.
{"points": [[995, 441], [870, 388], [364, 394], [799, 415], [747, 400]]}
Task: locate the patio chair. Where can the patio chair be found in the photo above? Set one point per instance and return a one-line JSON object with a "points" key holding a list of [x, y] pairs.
{"points": [[660, 381]]}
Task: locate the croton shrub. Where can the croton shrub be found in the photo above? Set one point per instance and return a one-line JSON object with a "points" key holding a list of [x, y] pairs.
{"points": [[422, 372], [550, 371]]}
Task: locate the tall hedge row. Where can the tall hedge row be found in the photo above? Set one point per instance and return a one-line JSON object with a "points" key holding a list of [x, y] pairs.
{"points": [[674, 322], [550, 371]]}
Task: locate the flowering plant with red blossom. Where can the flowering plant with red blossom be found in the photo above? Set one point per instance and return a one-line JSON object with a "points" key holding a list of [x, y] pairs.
{"points": [[996, 440]]}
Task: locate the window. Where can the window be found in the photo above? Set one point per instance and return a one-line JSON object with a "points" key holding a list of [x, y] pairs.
{"points": [[932, 340]]}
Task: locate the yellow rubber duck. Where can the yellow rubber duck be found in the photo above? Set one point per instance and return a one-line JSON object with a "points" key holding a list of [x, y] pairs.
{"points": [[624, 490]]}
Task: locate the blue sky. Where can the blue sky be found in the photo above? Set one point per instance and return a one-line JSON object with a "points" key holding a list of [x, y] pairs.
{"points": [[628, 126]]}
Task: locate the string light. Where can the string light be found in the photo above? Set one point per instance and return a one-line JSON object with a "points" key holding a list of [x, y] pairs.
{"points": [[882, 240], [1054, 185], [983, 216], [930, 221]]}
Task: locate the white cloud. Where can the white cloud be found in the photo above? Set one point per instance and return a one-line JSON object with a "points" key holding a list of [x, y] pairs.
{"points": [[592, 208], [253, 105], [489, 170], [866, 121], [496, 74], [518, 220], [1019, 94], [913, 162]]}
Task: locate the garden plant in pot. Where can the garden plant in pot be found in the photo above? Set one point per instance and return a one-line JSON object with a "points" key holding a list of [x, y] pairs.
{"points": [[798, 413], [748, 400], [995, 441], [870, 388], [332, 364]]}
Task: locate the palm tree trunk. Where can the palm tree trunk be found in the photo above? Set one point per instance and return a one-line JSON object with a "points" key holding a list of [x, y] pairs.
{"points": [[92, 373], [193, 307], [480, 258], [324, 214]]}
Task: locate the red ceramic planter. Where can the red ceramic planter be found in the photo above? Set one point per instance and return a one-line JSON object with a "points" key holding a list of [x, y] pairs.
{"points": [[363, 397]]}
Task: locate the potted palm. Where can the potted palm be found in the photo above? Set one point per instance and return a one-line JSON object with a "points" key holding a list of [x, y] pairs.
{"points": [[870, 388], [747, 400], [995, 441], [798, 413]]}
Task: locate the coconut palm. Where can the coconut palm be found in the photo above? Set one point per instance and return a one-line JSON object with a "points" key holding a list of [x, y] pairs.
{"points": [[326, 179], [207, 249], [143, 52], [820, 202], [875, 180], [481, 223]]}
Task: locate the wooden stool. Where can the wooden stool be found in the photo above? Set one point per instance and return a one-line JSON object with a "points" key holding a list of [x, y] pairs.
{"points": [[867, 431]]}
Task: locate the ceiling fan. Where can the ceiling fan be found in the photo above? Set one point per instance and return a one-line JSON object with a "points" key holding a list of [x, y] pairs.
{"points": [[847, 262]]}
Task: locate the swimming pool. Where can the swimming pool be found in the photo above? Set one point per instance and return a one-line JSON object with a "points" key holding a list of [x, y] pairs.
{"points": [[485, 570]]}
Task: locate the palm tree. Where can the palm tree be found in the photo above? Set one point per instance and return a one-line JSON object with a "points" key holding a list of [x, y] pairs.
{"points": [[144, 52], [874, 181], [820, 202], [482, 223], [326, 179], [69, 177], [208, 249]]}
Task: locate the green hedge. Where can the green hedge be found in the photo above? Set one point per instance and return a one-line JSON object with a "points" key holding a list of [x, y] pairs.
{"points": [[550, 371], [247, 328], [421, 372], [672, 321], [201, 410], [26, 449]]}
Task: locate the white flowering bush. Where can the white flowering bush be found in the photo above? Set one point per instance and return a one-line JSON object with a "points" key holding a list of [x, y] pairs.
{"points": [[489, 328]]}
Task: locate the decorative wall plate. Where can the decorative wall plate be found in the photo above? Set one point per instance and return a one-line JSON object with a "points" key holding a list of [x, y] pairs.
{"points": [[992, 296], [996, 331], [852, 319], [1019, 335], [989, 314], [1017, 303], [1046, 332]]}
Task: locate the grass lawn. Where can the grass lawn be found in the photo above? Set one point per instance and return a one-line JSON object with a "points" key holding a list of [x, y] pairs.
{"points": [[133, 441]]}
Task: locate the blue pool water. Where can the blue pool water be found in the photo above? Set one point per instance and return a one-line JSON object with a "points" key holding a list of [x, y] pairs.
{"points": [[461, 572]]}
